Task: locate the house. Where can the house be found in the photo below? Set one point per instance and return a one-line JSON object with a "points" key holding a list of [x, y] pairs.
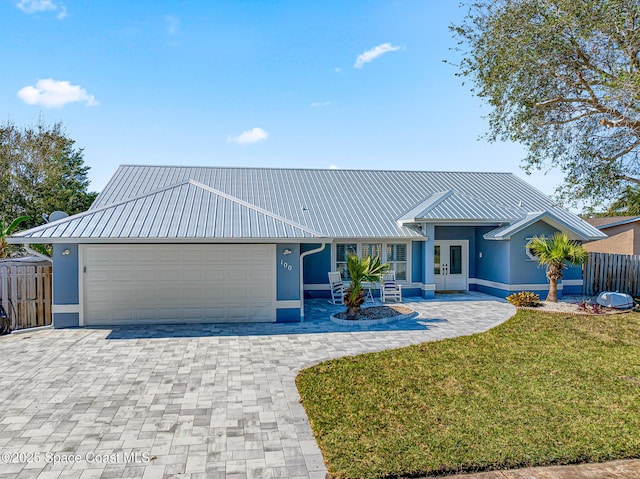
{"points": [[181, 244], [623, 232]]}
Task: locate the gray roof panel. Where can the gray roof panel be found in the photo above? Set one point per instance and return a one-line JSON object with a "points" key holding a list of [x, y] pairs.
{"points": [[215, 202]]}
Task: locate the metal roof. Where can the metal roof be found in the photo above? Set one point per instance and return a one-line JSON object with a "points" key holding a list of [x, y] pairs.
{"points": [[147, 202], [186, 210], [611, 221]]}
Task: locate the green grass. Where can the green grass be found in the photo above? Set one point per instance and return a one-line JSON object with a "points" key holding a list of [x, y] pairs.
{"points": [[539, 389]]}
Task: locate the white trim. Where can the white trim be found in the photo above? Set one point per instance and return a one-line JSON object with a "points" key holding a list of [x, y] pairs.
{"points": [[512, 287], [384, 242], [65, 308], [573, 282], [111, 241], [288, 303], [428, 287]]}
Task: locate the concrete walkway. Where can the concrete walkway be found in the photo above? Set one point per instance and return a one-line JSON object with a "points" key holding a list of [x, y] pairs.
{"points": [[192, 401]]}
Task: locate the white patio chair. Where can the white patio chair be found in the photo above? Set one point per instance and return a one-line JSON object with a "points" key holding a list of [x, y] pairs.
{"points": [[337, 287], [389, 289]]}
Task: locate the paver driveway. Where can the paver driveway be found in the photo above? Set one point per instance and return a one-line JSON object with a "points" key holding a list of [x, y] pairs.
{"points": [[192, 401]]}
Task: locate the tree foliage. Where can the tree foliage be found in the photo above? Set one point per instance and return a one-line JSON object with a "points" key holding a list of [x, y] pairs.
{"points": [[627, 204], [40, 172], [562, 78], [6, 230], [555, 253]]}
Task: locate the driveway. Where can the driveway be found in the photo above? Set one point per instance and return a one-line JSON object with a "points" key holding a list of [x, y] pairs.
{"points": [[204, 401]]}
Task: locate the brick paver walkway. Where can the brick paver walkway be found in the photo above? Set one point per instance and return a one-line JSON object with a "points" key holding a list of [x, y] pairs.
{"points": [[189, 401]]}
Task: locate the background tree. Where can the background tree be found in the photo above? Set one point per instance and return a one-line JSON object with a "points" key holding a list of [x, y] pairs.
{"points": [[555, 253], [628, 204], [562, 78], [41, 172]]}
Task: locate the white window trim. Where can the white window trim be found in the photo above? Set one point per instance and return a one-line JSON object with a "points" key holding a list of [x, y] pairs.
{"points": [[530, 256], [384, 242]]}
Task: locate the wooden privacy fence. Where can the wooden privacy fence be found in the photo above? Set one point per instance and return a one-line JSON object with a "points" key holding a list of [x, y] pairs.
{"points": [[612, 272], [25, 292]]}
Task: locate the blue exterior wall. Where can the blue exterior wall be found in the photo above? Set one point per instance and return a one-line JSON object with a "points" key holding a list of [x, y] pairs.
{"points": [[417, 261], [524, 269], [65, 285], [494, 264], [287, 281], [316, 269], [428, 274]]}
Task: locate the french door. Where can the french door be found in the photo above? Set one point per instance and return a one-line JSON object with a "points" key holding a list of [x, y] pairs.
{"points": [[451, 265]]}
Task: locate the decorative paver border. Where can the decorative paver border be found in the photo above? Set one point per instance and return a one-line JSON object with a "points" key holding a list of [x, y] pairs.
{"points": [[363, 323]]}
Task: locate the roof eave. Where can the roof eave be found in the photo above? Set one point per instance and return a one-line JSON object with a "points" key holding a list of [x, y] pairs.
{"points": [[23, 240]]}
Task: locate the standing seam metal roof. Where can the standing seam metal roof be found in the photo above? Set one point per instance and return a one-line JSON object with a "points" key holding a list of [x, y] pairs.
{"points": [[217, 202]]}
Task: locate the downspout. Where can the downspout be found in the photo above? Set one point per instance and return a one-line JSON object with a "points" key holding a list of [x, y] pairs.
{"points": [[302, 256], [27, 246]]}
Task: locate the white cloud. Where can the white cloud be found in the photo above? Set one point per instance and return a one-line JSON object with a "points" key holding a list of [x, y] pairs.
{"points": [[173, 25], [320, 104], [334, 167], [55, 94], [337, 69], [35, 6], [250, 136], [374, 53]]}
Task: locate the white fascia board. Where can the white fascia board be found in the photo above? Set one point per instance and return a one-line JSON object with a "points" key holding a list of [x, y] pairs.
{"points": [[165, 240]]}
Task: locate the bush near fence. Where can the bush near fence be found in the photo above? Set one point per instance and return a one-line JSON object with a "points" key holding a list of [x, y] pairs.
{"points": [[25, 292], [611, 272]]}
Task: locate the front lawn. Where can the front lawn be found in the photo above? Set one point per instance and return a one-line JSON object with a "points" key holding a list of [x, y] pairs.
{"points": [[539, 389]]}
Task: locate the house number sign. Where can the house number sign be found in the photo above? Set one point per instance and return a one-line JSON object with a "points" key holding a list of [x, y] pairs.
{"points": [[285, 265]]}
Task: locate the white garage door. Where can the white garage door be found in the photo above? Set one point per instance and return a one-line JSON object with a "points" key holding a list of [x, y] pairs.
{"points": [[178, 283]]}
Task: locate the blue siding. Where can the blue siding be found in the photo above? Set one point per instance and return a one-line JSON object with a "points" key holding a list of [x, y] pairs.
{"points": [[288, 272], [316, 266], [523, 268], [427, 265], [65, 274], [288, 315], [417, 261], [66, 320], [494, 264]]}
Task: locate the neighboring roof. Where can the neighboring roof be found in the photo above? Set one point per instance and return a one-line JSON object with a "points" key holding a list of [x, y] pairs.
{"points": [[610, 221], [211, 203]]}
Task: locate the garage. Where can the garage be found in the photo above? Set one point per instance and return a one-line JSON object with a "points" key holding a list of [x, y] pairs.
{"points": [[156, 283]]}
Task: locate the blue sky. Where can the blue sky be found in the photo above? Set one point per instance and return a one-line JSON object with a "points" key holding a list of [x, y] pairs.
{"points": [[313, 84]]}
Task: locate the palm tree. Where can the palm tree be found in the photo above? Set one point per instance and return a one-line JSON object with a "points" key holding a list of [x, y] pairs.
{"points": [[7, 230], [627, 204], [361, 270], [555, 253]]}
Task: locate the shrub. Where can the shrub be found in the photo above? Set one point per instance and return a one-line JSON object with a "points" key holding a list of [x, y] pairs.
{"points": [[524, 298]]}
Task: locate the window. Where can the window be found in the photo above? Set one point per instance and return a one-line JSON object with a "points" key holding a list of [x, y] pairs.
{"points": [[342, 253], [393, 253], [397, 259], [530, 254]]}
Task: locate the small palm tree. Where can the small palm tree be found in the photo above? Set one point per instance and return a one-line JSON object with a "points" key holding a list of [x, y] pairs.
{"points": [[555, 253], [361, 270], [7, 230]]}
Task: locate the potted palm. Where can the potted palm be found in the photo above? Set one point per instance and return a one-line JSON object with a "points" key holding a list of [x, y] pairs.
{"points": [[361, 270], [555, 253]]}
